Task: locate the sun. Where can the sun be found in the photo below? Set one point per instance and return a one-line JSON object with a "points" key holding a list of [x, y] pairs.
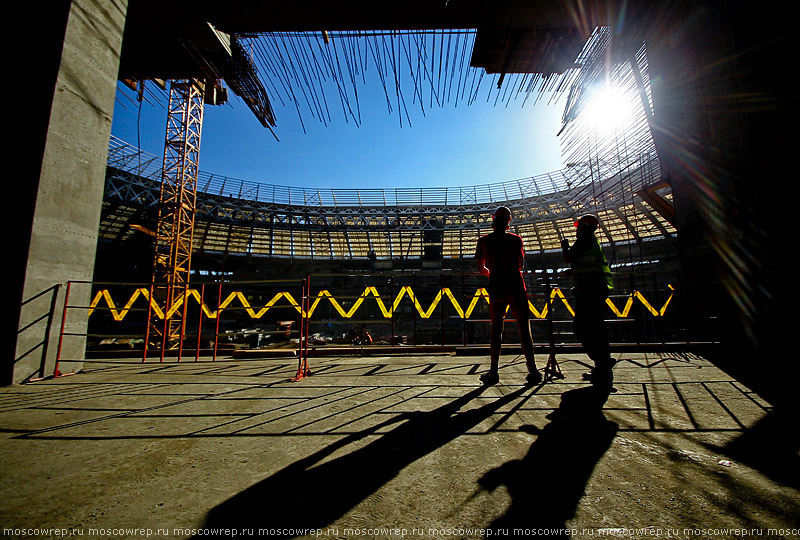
{"points": [[608, 110]]}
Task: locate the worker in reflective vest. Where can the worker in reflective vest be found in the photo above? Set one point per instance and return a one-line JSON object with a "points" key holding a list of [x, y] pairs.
{"points": [[592, 281]]}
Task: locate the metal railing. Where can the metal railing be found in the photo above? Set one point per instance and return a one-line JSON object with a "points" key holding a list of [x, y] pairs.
{"points": [[351, 312], [126, 157]]}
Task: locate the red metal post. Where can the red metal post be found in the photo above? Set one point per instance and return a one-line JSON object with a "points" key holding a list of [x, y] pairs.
{"points": [[305, 317], [391, 305], [463, 301], [302, 352], [304, 329], [441, 306], [200, 321], [414, 317], [219, 316], [308, 321], [183, 319]]}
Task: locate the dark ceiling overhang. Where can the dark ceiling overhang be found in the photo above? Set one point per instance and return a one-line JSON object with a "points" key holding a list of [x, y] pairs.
{"points": [[162, 38], [184, 39]]}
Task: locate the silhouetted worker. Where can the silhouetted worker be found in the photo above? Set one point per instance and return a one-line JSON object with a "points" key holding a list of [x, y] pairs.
{"points": [[353, 335], [500, 256], [591, 279]]}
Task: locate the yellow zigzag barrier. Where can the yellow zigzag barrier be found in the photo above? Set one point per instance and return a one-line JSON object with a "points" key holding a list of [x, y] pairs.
{"points": [[480, 294]]}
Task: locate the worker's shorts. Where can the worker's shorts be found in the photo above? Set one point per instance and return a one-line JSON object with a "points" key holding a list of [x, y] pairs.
{"points": [[515, 300]]}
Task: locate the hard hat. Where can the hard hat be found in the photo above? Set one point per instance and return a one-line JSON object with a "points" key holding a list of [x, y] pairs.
{"points": [[589, 220], [502, 214]]}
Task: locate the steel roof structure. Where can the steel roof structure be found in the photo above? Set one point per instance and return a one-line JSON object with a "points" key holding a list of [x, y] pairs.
{"points": [[240, 217], [615, 175]]}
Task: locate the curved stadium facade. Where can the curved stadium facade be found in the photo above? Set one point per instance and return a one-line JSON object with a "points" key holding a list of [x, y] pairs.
{"points": [[237, 219]]}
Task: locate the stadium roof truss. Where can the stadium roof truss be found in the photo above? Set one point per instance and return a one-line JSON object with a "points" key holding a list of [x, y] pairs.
{"points": [[234, 216]]}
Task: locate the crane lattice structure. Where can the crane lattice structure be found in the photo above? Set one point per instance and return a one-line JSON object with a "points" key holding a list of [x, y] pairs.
{"points": [[177, 203]]}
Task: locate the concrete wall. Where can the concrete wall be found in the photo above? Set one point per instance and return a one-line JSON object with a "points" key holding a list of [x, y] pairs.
{"points": [[63, 204]]}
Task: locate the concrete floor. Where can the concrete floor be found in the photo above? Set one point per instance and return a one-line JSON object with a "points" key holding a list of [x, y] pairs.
{"points": [[395, 447]]}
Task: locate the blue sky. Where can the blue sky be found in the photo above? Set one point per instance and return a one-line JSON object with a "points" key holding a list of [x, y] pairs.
{"points": [[448, 146]]}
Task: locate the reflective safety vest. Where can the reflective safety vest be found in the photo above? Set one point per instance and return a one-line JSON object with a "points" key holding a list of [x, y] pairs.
{"points": [[591, 267]]}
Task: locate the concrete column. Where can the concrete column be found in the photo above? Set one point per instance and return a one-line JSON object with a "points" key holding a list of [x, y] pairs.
{"points": [[62, 203], [726, 132], [680, 55]]}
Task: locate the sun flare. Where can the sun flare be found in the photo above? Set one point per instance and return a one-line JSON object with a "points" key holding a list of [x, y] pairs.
{"points": [[608, 110]]}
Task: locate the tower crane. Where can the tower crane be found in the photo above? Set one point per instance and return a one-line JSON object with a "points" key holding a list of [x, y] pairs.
{"points": [[176, 208], [215, 57]]}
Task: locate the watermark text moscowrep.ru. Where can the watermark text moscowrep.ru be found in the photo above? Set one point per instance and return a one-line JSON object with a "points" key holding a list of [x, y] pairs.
{"points": [[444, 533]]}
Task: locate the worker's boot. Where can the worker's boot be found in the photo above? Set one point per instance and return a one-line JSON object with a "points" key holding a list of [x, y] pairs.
{"points": [[533, 378], [604, 370], [490, 378]]}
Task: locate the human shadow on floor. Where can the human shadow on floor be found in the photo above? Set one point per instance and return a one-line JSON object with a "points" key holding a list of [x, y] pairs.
{"points": [[547, 484], [310, 494]]}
